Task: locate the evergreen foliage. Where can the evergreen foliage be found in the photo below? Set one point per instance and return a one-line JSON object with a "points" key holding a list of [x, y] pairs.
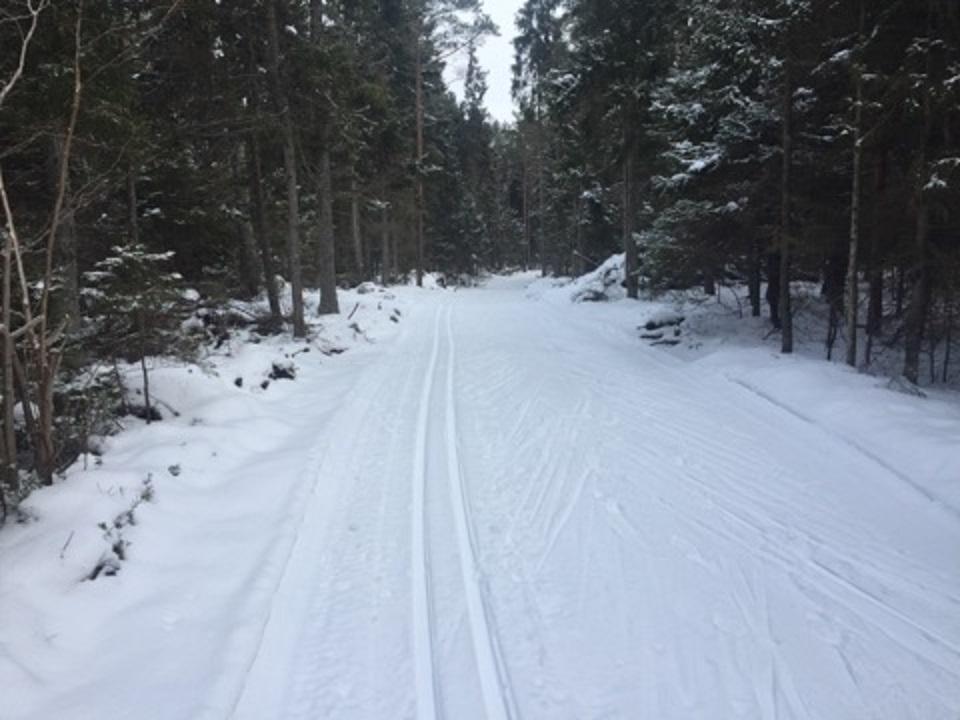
{"points": [[150, 147]]}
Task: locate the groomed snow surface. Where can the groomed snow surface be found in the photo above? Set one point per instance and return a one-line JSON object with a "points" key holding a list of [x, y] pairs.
{"points": [[498, 503]]}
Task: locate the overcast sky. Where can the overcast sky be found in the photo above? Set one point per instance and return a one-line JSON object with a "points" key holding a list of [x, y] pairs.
{"points": [[496, 56]]}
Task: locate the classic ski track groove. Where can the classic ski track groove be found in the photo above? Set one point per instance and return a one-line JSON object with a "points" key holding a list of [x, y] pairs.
{"points": [[425, 676], [491, 671], [494, 683]]}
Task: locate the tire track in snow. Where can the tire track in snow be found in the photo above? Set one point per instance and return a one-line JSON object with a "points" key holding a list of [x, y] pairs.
{"points": [[422, 611], [491, 672]]}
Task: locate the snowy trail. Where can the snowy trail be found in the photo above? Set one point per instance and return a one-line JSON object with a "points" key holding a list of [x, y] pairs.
{"points": [[439, 695], [492, 675], [570, 525], [319, 600], [517, 511]]}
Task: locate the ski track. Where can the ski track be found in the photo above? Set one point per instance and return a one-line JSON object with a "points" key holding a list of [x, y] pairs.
{"points": [[489, 670], [280, 567], [492, 676], [536, 519], [423, 640], [305, 607]]}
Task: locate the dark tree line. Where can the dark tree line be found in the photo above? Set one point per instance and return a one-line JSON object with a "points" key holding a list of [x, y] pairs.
{"points": [[766, 142], [229, 148], [277, 146]]}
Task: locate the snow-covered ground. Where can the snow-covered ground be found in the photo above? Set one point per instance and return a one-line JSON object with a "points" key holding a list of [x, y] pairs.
{"points": [[500, 504]]}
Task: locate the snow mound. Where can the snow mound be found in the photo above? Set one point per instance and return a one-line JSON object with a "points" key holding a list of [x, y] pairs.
{"points": [[601, 285], [604, 284], [431, 280]]}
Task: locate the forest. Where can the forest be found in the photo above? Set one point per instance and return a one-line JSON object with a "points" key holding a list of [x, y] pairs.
{"points": [[160, 158]]}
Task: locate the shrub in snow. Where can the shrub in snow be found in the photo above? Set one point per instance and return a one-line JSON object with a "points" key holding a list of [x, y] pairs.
{"points": [[86, 405], [283, 371], [114, 531], [137, 310]]}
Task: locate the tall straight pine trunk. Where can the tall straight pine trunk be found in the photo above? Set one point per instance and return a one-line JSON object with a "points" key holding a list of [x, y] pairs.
{"points": [[326, 251], [915, 317], [258, 217], [10, 476], [853, 288], [418, 200], [326, 246], [356, 236], [785, 310], [384, 243], [290, 171], [629, 244], [66, 241]]}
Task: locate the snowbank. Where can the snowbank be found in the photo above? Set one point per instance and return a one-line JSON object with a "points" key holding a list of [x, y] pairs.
{"points": [[600, 285], [915, 437], [135, 527]]}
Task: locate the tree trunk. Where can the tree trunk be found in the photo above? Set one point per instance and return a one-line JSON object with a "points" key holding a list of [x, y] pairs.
{"points": [[356, 236], [66, 242], [525, 210], [10, 476], [133, 217], [773, 288], [853, 289], [874, 325], [258, 217], [142, 332], [249, 266], [385, 244], [709, 283], [395, 255], [629, 244], [754, 279], [327, 244], [785, 310], [949, 308], [874, 311], [875, 305], [916, 313], [290, 171], [833, 286], [326, 250], [915, 317], [254, 196], [248, 263], [547, 242], [418, 190], [579, 267]]}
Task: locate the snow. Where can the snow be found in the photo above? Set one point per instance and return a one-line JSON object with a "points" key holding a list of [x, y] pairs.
{"points": [[600, 285], [228, 475], [505, 504]]}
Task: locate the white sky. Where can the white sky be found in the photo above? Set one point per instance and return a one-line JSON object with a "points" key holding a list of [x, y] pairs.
{"points": [[496, 57]]}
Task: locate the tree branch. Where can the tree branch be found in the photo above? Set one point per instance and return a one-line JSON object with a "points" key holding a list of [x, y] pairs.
{"points": [[34, 14]]}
